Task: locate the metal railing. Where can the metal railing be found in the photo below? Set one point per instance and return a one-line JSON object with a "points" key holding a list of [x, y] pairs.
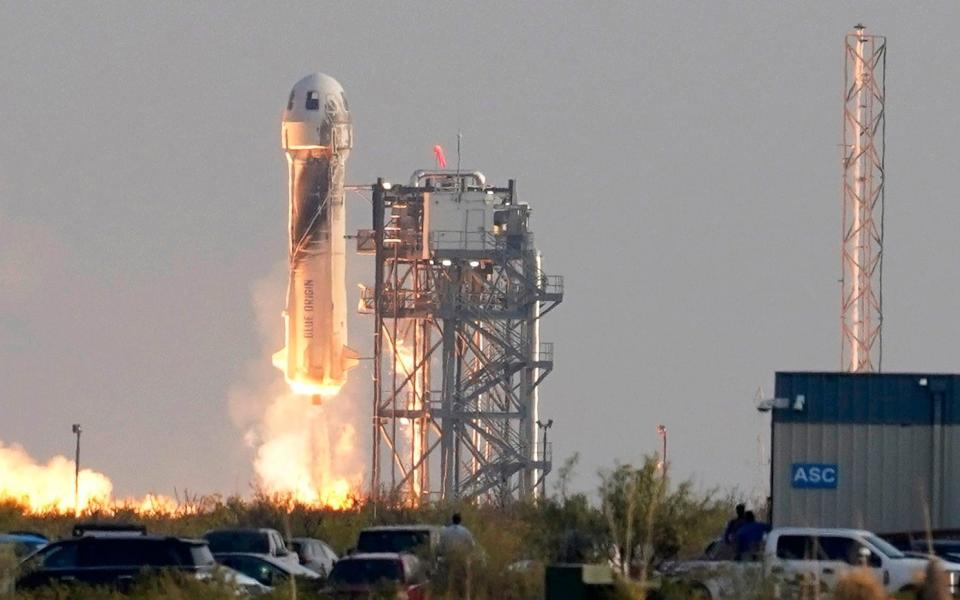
{"points": [[546, 351], [441, 240]]}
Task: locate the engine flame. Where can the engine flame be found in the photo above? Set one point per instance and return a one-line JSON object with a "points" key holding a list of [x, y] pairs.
{"points": [[298, 458], [304, 453], [306, 388]]}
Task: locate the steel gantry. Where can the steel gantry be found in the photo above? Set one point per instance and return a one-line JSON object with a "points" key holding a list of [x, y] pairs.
{"points": [[457, 301]]}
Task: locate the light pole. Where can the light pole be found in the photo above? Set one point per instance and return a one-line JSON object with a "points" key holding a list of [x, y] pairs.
{"points": [[662, 432], [543, 455], [76, 473]]}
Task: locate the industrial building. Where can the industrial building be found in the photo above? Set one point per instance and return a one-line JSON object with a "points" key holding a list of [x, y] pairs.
{"points": [[879, 451]]}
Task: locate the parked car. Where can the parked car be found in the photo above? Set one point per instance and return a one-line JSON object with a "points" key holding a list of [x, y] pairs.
{"points": [[268, 570], [413, 539], [948, 550], [22, 545], [373, 573], [115, 561], [315, 555], [816, 556], [266, 542]]}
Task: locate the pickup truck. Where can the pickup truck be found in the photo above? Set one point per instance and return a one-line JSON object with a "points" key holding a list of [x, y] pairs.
{"points": [[794, 556]]}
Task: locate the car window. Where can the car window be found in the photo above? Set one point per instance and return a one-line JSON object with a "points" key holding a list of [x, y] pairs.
{"points": [[884, 547], [59, 557], [366, 571], [238, 541], [392, 541], [842, 549], [195, 554], [129, 552], [266, 573], [795, 547]]}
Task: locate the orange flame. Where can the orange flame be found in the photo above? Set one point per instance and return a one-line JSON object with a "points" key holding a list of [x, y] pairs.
{"points": [[299, 459], [43, 488]]}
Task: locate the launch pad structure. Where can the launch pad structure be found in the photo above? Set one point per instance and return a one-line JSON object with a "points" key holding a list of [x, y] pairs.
{"points": [[457, 300]]}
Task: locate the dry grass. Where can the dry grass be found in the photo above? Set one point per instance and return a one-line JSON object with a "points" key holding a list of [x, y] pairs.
{"points": [[859, 585]]}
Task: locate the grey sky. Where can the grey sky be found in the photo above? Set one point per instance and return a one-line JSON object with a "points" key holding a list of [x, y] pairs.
{"points": [[681, 159]]}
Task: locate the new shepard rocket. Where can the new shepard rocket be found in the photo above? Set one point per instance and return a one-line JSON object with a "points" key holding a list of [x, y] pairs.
{"points": [[317, 137]]}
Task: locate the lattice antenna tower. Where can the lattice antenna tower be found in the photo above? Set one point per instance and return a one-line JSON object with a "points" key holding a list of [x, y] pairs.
{"points": [[861, 314]]}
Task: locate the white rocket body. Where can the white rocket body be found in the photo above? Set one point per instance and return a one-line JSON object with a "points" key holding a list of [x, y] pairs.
{"points": [[317, 136]]}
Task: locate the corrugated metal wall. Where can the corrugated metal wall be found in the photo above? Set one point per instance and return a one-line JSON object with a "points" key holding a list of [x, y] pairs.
{"points": [[894, 438]]}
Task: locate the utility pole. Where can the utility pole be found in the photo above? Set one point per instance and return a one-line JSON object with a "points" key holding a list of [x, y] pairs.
{"points": [[76, 473]]}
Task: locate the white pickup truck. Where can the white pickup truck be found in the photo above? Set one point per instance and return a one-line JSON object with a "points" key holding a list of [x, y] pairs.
{"points": [[817, 557]]}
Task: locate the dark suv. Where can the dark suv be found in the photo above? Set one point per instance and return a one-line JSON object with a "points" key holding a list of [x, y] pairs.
{"points": [[112, 561]]}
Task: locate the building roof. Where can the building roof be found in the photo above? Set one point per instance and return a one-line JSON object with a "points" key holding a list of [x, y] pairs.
{"points": [[903, 399]]}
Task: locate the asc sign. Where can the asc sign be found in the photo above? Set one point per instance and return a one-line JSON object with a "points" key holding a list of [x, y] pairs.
{"points": [[813, 475]]}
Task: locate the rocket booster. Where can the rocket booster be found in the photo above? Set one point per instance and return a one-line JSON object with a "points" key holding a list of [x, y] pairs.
{"points": [[316, 136]]}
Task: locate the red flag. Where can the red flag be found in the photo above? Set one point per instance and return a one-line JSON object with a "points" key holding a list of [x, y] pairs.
{"points": [[438, 153]]}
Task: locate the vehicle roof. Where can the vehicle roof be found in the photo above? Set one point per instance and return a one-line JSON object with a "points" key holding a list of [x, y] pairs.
{"points": [[376, 556], [414, 527], [22, 538], [136, 537], [820, 531], [242, 530]]}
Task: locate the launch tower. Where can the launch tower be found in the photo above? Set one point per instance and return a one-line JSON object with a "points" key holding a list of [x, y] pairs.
{"points": [[457, 302]]}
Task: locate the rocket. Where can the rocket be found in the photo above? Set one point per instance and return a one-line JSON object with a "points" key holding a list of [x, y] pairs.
{"points": [[316, 135]]}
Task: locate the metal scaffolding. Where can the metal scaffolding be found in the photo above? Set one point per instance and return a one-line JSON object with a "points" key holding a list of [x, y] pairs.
{"points": [[861, 315], [457, 301]]}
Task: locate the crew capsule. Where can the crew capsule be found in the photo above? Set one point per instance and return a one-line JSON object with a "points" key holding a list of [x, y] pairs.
{"points": [[317, 115]]}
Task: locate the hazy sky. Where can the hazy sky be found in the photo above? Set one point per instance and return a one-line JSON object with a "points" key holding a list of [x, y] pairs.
{"points": [[681, 157]]}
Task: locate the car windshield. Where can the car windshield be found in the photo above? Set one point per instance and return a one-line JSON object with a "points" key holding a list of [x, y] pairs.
{"points": [[238, 541], [21, 548], [196, 554], [884, 547], [366, 571], [392, 541]]}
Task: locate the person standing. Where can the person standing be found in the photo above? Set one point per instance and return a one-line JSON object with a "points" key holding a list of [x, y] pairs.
{"points": [[455, 539], [457, 549], [730, 533], [749, 537]]}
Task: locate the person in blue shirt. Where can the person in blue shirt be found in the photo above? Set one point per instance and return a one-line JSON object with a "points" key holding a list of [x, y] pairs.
{"points": [[730, 534], [749, 536]]}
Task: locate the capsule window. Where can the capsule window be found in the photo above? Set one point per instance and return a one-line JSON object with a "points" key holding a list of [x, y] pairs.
{"points": [[346, 106], [290, 101], [313, 100]]}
